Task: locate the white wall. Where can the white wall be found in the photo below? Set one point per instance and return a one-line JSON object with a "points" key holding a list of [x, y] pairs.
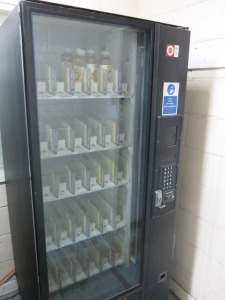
{"points": [[199, 265]]}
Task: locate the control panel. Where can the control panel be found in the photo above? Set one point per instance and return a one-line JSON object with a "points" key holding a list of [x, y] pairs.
{"points": [[168, 178], [166, 169]]}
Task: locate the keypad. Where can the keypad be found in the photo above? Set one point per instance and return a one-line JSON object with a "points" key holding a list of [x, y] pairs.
{"points": [[167, 177]]}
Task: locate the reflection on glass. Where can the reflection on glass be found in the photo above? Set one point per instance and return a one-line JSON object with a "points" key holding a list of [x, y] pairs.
{"points": [[88, 92]]}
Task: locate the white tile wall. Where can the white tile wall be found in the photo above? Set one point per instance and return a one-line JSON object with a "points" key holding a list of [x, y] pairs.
{"points": [[6, 253], [199, 263], [4, 221]]}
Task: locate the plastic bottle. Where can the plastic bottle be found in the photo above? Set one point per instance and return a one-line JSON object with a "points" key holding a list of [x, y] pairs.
{"points": [[105, 64], [91, 62], [79, 62], [67, 70], [104, 71], [66, 57]]}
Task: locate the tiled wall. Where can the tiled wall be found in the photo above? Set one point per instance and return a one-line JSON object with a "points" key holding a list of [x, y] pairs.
{"points": [[6, 253], [199, 261]]}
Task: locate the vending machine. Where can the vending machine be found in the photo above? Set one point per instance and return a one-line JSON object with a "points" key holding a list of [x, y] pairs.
{"points": [[92, 109]]}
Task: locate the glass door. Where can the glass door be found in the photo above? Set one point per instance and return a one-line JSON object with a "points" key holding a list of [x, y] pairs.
{"points": [[90, 95]]}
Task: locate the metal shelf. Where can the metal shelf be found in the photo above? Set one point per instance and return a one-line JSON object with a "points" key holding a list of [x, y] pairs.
{"points": [[68, 241], [82, 191], [61, 98], [81, 150]]}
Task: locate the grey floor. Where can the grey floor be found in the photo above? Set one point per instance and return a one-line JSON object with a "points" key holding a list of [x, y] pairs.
{"points": [[172, 296], [16, 296]]}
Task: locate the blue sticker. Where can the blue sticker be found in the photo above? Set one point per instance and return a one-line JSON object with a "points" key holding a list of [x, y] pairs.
{"points": [[170, 98], [171, 89]]}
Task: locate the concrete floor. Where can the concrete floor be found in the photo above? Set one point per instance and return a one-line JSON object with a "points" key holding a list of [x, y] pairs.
{"points": [[18, 297], [172, 296]]}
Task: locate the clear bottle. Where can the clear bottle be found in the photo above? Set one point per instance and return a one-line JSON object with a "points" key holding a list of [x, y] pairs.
{"points": [[67, 70], [91, 62], [104, 76], [105, 64], [66, 57], [79, 62]]}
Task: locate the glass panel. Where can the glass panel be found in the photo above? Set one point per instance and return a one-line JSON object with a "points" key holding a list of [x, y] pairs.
{"points": [[89, 81]]}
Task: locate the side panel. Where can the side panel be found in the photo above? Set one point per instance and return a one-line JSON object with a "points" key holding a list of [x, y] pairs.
{"points": [[170, 71], [16, 156]]}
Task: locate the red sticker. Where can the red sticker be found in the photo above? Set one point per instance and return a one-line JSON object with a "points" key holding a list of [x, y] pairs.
{"points": [[172, 50]]}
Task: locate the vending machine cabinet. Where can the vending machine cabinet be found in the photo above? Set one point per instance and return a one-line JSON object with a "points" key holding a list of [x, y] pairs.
{"points": [[92, 109]]}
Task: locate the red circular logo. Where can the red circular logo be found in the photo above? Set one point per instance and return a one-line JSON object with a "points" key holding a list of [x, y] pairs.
{"points": [[170, 50]]}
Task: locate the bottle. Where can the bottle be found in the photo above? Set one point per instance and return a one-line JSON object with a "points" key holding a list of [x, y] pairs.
{"points": [[66, 58], [91, 62], [105, 71], [79, 62], [67, 70]]}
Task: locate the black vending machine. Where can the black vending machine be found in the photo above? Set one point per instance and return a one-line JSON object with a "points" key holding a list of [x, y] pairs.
{"points": [[91, 118]]}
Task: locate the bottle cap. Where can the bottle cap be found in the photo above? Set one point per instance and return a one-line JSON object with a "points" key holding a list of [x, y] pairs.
{"points": [[90, 52], [80, 52], [105, 53]]}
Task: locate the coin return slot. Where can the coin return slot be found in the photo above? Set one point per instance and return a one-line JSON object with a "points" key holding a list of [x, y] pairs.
{"points": [[162, 277]]}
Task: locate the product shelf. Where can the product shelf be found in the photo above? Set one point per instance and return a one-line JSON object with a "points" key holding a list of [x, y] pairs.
{"points": [[47, 154], [51, 246], [50, 197], [46, 98]]}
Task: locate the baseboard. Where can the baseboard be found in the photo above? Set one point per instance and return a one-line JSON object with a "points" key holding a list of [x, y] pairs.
{"points": [[8, 287], [179, 291]]}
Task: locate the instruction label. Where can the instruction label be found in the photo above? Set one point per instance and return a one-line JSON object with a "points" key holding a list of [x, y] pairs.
{"points": [[172, 50], [170, 98]]}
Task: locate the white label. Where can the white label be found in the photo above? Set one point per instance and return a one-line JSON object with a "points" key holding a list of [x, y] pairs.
{"points": [[78, 231], [120, 175], [122, 137], [93, 140], [48, 239], [94, 87], [41, 87], [61, 144], [60, 87], [44, 146], [63, 235], [118, 219], [105, 222], [62, 187], [78, 184], [93, 181], [107, 177], [176, 51], [78, 87], [78, 142], [108, 138], [92, 226], [46, 190]]}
